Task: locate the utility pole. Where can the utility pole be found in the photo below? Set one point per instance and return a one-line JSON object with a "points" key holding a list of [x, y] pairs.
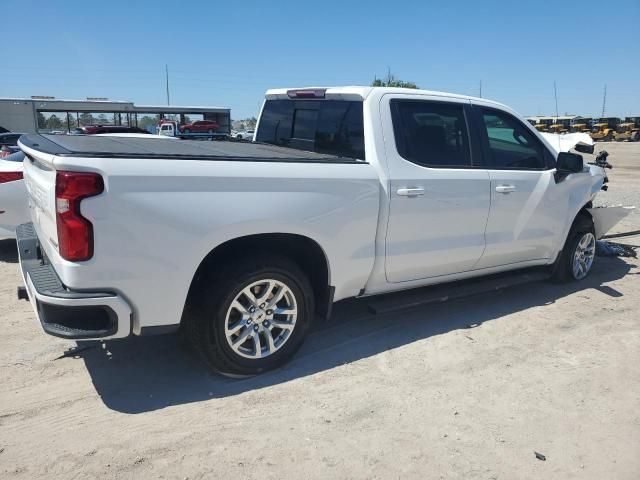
{"points": [[555, 94], [480, 88], [604, 100], [166, 71]]}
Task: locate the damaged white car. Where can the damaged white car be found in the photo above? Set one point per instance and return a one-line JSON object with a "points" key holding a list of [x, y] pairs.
{"points": [[346, 192], [604, 218]]}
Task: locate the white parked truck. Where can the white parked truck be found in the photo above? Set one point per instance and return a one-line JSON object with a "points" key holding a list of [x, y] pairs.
{"points": [[346, 192]]}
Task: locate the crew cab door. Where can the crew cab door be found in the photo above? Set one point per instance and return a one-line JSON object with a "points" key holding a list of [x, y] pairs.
{"points": [[527, 207], [438, 194]]}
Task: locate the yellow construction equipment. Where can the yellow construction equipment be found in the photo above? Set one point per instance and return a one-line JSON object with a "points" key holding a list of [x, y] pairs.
{"points": [[557, 128], [604, 129], [602, 132], [581, 126], [627, 131]]}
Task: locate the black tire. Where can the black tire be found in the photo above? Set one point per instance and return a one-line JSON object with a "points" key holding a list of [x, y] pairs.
{"points": [[563, 267], [206, 312], [187, 131]]}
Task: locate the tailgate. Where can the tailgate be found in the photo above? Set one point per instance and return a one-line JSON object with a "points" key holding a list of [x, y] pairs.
{"points": [[40, 180]]}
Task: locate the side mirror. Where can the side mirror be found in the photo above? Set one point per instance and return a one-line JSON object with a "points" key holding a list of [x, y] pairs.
{"points": [[568, 163]]}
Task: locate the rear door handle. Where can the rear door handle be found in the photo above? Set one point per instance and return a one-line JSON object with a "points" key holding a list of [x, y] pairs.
{"points": [[410, 192], [505, 188]]}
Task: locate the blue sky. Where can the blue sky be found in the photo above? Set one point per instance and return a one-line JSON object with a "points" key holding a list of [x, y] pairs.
{"points": [[229, 53]]}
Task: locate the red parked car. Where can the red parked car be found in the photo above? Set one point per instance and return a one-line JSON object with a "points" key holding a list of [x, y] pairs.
{"points": [[201, 126]]}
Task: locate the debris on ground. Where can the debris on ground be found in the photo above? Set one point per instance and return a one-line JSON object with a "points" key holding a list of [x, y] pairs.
{"points": [[540, 456], [609, 249], [74, 351]]}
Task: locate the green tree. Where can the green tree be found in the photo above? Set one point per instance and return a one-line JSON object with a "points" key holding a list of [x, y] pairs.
{"points": [[86, 119], [392, 81], [42, 122], [54, 123], [148, 121]]}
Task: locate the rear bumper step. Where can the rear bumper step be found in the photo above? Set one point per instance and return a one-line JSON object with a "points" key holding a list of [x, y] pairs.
{"points": [[64, 312]]}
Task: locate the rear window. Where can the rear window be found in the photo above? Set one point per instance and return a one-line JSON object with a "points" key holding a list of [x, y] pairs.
{"points": [[333, 127]]}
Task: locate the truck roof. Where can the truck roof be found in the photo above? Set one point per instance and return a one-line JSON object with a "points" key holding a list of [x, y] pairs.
{"points": [[89, 146], [361, 93]]}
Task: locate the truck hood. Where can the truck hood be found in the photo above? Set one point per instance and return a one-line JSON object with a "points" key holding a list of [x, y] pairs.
{"points": [[567, 141]]}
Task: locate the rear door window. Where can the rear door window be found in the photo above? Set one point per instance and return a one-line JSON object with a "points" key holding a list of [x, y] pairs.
{"points": [[333, 127], [431, 134]]}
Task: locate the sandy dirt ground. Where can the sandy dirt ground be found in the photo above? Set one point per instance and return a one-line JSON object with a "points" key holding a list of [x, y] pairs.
{"points": [[464, 390]]}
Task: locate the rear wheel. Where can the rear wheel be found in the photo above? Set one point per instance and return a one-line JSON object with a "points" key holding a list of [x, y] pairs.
{"points": [[250, 317], [579, 252], [186, 130]]}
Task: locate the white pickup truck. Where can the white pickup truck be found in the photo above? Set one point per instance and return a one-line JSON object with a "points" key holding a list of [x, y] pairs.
{"points": [[346, 192]]}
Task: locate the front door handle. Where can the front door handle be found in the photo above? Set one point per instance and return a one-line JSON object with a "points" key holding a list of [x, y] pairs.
{"points": [[505, 188], [410, 192]]}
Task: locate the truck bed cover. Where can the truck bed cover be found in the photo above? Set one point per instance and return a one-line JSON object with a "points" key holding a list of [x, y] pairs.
{"points": [[171, 149]]}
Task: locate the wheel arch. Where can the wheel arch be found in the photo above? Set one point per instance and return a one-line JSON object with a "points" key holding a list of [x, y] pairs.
{"points": [[582, 213], [304, 251]]}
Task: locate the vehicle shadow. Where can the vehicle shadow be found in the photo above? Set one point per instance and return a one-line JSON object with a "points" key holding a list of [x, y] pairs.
{"points": [[8, 251], [140, 374]]}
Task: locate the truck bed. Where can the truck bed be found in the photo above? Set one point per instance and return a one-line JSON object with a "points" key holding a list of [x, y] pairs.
{"points": [[88, 146]]}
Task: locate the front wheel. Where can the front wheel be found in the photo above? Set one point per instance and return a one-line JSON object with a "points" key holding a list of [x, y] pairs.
{"points": [[250, 317], [579, 252]]}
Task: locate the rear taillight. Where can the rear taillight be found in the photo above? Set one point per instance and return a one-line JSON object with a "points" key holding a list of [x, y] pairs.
{"points": [[10, 176], [75, 233]]}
